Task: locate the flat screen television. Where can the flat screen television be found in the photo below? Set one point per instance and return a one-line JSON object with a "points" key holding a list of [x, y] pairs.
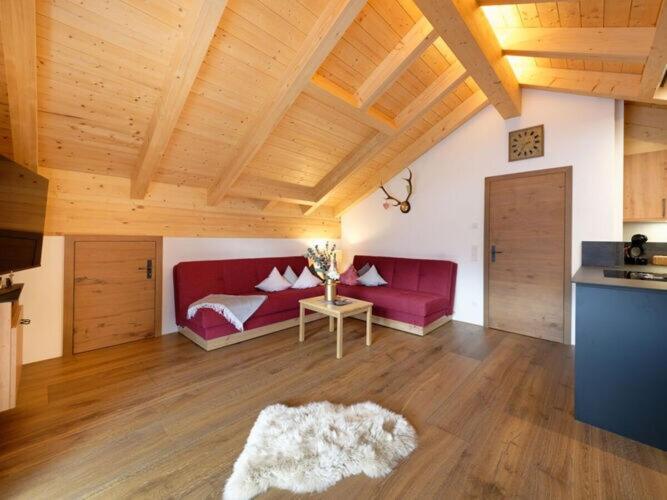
{"points": [[22, 211]]}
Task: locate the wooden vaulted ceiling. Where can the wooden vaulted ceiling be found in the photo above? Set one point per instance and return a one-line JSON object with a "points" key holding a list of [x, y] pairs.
{"points": [[285, 108]]}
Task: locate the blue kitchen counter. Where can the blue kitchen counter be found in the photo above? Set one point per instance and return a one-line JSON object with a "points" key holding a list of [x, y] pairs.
{"points": [[621, 356]]}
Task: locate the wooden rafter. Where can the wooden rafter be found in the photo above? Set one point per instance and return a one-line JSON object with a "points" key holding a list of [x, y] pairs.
{"points": [[656, 63], [411, 46], [630, 45], [19, 44], [347, 104], [445, 83], [265, 189], [461, 114], [596, 83], [465, 29], [484, 3], [328, 29], [198, 31]]}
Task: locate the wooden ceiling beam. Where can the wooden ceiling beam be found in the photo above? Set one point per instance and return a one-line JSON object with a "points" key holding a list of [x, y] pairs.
{"points": [[490, 3], [465, 29], [270, 190], [320, 41], [656, 63], [411, 46], [594, 83], [19, 45], [461, 114], [199, 28], [445, 83], [335, 97], [630, 45]]}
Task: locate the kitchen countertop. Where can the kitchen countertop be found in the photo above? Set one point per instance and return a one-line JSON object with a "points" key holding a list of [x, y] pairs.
{"points": [[594, 276]]}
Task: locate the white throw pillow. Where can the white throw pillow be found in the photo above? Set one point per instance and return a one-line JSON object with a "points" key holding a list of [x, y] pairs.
{"points": [[364, 269], [290, 275], [372, 278], [274, 283], [306, 280]]}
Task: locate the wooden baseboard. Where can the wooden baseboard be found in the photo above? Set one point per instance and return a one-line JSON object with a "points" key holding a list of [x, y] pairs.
{"points": [[235, 338], [407, 327]]}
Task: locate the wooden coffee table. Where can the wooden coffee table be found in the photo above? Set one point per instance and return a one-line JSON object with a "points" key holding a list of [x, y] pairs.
{"points": [[318, 304]]}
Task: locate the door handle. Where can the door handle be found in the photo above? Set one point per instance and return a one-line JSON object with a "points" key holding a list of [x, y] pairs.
{"points": [[494, 252], [148, 269], [664, 208]]}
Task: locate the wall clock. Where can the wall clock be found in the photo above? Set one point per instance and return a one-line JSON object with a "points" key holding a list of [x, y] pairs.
{"points": [[526, 143]]}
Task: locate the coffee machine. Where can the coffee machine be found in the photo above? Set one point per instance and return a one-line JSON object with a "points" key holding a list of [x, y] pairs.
{"points": [[635, 251]]}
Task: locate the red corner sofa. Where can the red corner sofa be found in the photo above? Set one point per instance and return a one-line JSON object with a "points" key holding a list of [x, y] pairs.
{"points": [[419, 296]]}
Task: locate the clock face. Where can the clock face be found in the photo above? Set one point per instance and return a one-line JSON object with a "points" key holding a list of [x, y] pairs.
{"points": [[526, 143]]}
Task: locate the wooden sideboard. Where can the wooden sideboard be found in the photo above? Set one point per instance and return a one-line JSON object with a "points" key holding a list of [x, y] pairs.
{"points": [[11, 352]]}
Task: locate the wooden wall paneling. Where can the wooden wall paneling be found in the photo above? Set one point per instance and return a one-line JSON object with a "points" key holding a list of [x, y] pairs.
{"points": [[19, 45], [95, 204], [328, 29], [198, 30], [656, 63], [465, 29]]}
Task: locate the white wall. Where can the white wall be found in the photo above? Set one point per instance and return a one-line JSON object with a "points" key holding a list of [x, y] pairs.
{"points": [[655, 231], [42, 299], [42, 295], [447, 217]]}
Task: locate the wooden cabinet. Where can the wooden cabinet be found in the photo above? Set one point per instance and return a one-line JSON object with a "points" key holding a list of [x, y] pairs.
{"points": [[11, 352], [645, 186]]}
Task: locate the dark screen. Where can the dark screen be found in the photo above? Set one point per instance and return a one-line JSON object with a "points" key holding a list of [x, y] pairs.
{"points": [[22, 211]]}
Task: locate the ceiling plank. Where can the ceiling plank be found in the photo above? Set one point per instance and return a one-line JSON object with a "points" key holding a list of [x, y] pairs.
{"points": [[328, 29], [459, 115], [486, 3], [593, 83], [465, 29], [656, 63], [445, 83], [411, 46], [266, 189], [347, 104], [609, 44], [198, 31], [19, 44]]}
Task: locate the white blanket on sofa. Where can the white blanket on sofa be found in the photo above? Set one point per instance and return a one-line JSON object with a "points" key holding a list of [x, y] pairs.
{"points": [[235, 308]]}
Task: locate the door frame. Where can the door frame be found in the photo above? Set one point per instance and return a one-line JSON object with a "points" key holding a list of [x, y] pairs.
{"points": [[567, 264], [68, 296]]}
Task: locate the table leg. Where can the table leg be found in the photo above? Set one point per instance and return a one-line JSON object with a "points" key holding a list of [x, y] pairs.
{"points": [[339, 338], [302, 323], [369, 327], [331, 324]]}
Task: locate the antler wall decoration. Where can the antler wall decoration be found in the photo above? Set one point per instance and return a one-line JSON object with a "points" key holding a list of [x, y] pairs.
{"points": [[403, 206]]}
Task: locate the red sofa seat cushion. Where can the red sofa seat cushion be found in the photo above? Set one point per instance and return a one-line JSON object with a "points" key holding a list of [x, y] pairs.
{"points": [[286, 300], [407, 301]]}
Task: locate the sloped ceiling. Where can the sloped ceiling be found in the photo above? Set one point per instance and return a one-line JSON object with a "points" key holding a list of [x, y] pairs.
{"points": [[102, 67]]}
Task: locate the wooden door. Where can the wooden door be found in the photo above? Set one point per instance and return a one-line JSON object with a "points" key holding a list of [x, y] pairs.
{"points": [[115, 291], [528, 247], [645, 186]]}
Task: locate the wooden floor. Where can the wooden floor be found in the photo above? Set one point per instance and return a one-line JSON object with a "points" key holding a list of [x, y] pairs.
{"points": [[162, 418]]}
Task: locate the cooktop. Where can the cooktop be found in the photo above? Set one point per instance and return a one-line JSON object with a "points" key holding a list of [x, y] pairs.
{"points": [[634, 275]]}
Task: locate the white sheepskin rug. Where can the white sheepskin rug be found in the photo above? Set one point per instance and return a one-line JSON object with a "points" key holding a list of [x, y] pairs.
{"points": [[310, 448]]}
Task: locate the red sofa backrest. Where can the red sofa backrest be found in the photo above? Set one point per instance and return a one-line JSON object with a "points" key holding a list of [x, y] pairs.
{"points": [[197, 279], [421, 275]]}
